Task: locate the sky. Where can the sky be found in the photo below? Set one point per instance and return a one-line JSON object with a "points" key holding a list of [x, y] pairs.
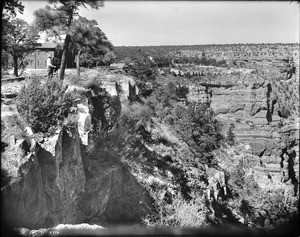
{"points": [[145, 23]]}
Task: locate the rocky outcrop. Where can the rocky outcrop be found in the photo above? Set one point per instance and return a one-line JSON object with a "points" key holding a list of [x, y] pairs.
{"points": [[122, 86], [49, 185], [63, 179], [264, 112], [57, 181], [101, 105], [262, 104], [57, 184]]}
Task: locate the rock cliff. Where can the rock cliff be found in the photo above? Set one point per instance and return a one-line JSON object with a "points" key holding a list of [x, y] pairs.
{"points": [[55, 181], [260, 101], [63, 179], [263, 106]]}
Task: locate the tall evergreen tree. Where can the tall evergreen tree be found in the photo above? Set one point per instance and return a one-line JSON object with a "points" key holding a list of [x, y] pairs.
{"points": [[9, 11], [59, 18], [19, 39], [89, 38]]}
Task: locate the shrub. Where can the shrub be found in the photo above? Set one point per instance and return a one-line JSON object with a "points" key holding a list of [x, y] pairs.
{"points": [[163, 61], [145, 72], [162, 96], [91, 76], [194, 123], [104, 143], [263, 208], [136, 113], [230, 135], [182, 91], [180, 213], [197, 126], [44, 106]]}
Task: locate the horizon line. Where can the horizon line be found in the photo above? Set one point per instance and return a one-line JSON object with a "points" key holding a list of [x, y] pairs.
{"points": [[204, 44]]}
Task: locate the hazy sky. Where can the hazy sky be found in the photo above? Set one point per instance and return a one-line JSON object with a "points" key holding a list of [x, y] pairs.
{"points": [[132, 23]]}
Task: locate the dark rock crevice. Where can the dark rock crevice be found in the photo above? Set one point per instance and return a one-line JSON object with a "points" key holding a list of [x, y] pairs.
{"points": [[106, 109], [112, 194], [132, 93], [288, 156], [26, 201], [270, 104], [208, 92]]}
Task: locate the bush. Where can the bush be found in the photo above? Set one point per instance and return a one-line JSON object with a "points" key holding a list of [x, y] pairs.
{"points": [[194, 123], [230, 135], [202, 61], [180, 213], [163, 61], [145, 73], [197, 126], [137, 113], [44, 106], [264, 209]]}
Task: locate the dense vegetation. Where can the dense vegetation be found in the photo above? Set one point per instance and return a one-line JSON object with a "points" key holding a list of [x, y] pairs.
{"points": [[212, 51], [44, 106], [165, 56], [271, 212], [193, 123]]}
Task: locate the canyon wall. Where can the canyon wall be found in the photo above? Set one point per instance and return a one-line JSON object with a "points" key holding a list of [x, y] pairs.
{"points": [[263, 105], [55, 180]]}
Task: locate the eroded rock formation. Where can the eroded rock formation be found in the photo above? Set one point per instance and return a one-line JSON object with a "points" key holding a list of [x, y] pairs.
{"points": [[56, 182], [264, 111]]}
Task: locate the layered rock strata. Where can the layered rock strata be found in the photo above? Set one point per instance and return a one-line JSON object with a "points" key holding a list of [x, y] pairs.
{"points": [[264, 109]]}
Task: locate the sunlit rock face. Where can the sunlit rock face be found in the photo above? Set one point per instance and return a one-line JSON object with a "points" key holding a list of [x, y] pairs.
{"points": [[50, 184], [261, 99], [264, 109], [122, 86], [65, 187], [104, 103]]}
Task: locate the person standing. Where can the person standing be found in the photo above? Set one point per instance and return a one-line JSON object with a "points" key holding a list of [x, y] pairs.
{"points": [[50, 67]]}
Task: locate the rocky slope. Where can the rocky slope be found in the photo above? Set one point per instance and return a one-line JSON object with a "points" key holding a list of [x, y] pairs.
{"points": [[265, 115], [53, 181], [261, 100], [58, 180]]}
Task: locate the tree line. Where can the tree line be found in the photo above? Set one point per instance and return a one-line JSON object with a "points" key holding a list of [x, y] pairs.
{"points": [[60, 18]]}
